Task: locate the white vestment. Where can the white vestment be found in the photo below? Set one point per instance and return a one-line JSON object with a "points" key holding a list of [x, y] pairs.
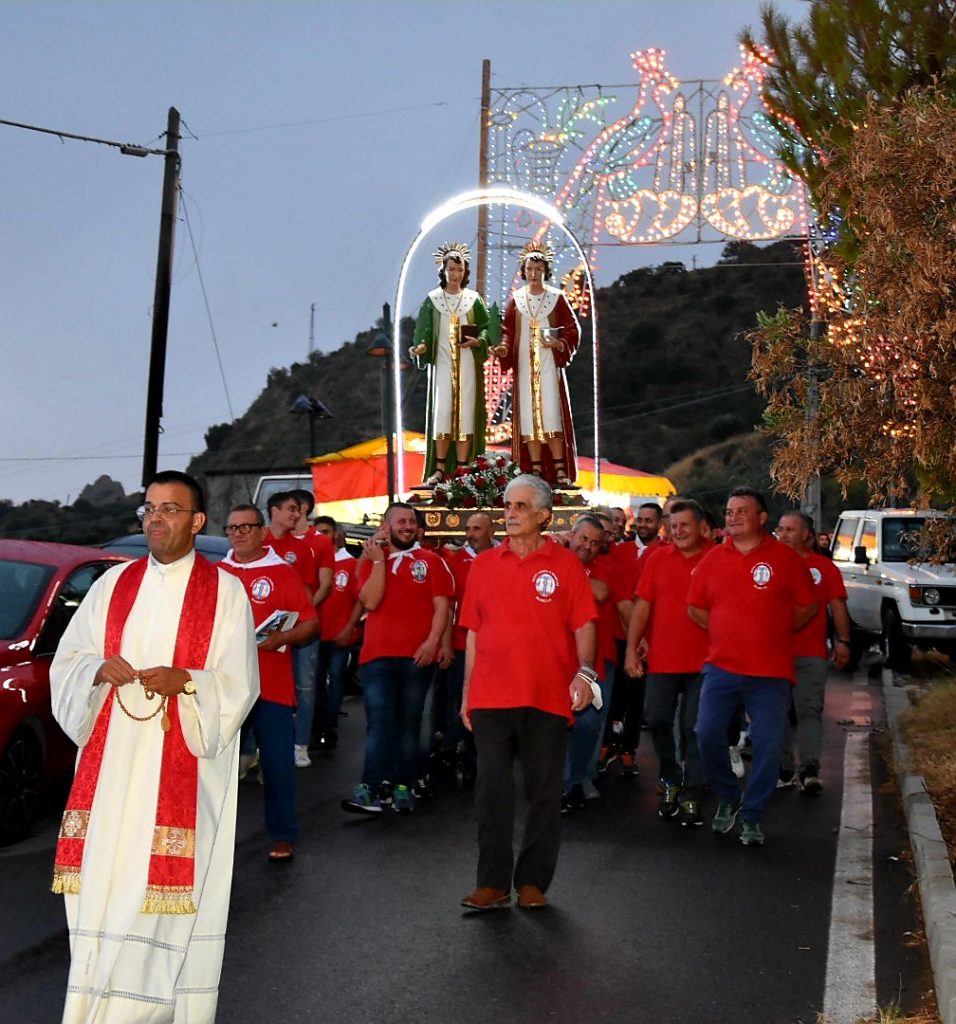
{"points": [[459, 305], [545, 388], [125, 965]]}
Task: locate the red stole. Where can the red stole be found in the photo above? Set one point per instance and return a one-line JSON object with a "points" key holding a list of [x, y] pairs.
{"points": [[170, 880]]}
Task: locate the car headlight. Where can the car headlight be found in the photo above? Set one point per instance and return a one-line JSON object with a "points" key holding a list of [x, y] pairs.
{"points": [[930, 595]]}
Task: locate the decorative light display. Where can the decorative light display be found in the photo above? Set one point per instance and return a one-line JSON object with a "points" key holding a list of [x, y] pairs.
{"points": [[682, 162]]}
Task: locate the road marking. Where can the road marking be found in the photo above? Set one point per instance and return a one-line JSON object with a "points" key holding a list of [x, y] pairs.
{"points": [[850, 990]]}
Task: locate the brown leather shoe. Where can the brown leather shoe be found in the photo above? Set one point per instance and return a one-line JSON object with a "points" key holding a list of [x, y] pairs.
{"points": [[281, 853], [486, 898], [530, 897]]}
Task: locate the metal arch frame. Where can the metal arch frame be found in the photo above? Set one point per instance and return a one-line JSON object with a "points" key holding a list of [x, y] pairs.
{"points": [[467, 201]]}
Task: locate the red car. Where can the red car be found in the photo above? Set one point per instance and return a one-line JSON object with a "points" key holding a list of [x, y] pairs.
{"points": [[41, 586]]}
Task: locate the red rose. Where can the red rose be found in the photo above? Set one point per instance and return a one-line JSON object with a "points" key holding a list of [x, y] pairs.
{"points": [[414, 499], [558, 498], [501, 480], [469, 502], [500, 501], [481, 463]]}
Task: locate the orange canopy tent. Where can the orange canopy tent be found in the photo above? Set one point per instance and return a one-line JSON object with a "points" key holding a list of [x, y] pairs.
{"points": [[352, 482]]}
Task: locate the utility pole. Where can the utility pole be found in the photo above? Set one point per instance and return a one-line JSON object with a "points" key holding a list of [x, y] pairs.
{"points": [[164, 276], [481, 259], [312, 328], [812, 495], [388, 413]]}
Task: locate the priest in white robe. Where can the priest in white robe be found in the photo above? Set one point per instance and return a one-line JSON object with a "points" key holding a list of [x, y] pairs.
{"points": [[146, 847]]}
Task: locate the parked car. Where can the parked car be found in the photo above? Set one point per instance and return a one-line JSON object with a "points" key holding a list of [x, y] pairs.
{"points": [[41, 586], [133, 545], [894, 592]]}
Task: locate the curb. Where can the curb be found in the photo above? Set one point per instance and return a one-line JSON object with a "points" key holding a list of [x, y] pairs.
{"points": [[933, 871]]}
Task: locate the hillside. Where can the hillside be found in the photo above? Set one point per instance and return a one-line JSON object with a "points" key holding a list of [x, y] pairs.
{"points": [[673, 372]]}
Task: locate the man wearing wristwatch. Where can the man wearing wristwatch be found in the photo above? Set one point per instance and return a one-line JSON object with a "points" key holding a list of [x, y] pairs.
{"points": [[529, 665], [810, 652]]}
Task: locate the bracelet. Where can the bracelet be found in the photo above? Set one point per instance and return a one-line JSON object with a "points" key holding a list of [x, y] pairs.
{"points": [[588, 673]]}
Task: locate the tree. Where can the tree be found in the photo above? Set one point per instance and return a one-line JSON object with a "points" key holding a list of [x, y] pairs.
{"points": [[865, 95]]}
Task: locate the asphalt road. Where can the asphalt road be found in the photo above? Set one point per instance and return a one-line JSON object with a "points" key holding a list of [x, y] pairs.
{"points": [[649, 923]]}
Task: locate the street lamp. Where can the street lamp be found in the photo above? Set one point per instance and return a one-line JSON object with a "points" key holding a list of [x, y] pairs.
{"points": [[381, 348], [305, 405]]}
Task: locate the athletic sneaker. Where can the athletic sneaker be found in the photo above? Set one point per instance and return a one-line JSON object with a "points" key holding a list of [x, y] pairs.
{"points": [[363, 801], [810, 783], [689, 814], [668, 806], [629, 764], [750, 833], [591, 792], [786, 779], [402, 800], [301, 753], [246, 763], [736, 762], [725, 817], [608, 756]]}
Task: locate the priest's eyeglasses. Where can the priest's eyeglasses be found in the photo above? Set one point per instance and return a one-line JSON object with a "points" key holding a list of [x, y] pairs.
{"points": [[241, 528], [165, 511]]}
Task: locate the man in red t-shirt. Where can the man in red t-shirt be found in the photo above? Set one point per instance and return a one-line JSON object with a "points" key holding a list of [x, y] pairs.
{"points": [[676, 648], [613, 598], [408, 592], [271, 585], [627, 700], [796, 530], [284, 510], [751, 594], [456, 742], [529, 664], [339, 616]]}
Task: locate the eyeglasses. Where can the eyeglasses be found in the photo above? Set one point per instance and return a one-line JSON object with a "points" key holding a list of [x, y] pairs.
{"points": [[165, 511], [241, 528]]}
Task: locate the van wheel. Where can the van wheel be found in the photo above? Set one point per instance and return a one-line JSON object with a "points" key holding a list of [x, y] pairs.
{"points": [[896, 648]]}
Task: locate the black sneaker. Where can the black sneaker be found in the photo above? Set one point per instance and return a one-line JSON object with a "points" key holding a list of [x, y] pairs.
{"points": [[576, 798], [668, 806], [689, 814], [810, 781]]}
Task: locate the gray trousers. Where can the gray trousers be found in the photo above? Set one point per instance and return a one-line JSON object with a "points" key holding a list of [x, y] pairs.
{"points": [[661, 698], [806, 736]]}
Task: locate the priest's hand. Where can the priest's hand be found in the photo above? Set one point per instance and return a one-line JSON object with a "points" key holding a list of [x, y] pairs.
{"points": [[166, 681], [116, 671]]}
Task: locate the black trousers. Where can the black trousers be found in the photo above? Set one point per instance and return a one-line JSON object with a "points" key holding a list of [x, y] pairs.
{"points": [[537, 740]]}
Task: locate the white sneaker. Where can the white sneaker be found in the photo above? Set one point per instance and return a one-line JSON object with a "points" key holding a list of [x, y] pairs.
{"points": [[736, 762], [591, 792], [246, 763], [302, 759]]}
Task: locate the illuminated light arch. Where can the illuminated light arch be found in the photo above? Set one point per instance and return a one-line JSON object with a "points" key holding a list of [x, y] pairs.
{"points": [[494, 196]]}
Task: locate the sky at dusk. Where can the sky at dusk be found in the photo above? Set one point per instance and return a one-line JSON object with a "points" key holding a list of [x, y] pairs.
{"points": [[317, 136]]}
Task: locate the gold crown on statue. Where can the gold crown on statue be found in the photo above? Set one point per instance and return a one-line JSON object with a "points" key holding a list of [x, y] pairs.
{"points": [[536, 250], [457, 250]]}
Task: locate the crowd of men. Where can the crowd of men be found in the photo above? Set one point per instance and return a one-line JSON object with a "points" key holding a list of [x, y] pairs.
{"points": [[553, 650]]}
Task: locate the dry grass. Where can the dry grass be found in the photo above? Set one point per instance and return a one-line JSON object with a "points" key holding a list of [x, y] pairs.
{"points": [[929, 727]]}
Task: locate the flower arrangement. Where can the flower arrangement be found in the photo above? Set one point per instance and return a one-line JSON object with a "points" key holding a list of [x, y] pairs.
{"points": [[480, 485]]}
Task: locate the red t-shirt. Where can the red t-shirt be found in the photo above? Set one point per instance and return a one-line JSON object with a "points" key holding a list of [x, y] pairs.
{"points": [[459, 561], [403, 620], [630, 557], [675, 642], [336, 610], [298, 554], [322, 548], [524, 612], [751, 599], [811, 641], [272, 585], [609, 625]]}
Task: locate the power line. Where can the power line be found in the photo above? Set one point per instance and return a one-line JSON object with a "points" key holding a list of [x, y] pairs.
{"points": [[205, 298], [126, 148]]}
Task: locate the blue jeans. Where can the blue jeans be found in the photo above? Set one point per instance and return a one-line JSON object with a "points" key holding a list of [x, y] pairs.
{"points": [[272, 724], [330, 679], [584, 741], [662, 696], [393, 690], [304, 660], [766, 702]]}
